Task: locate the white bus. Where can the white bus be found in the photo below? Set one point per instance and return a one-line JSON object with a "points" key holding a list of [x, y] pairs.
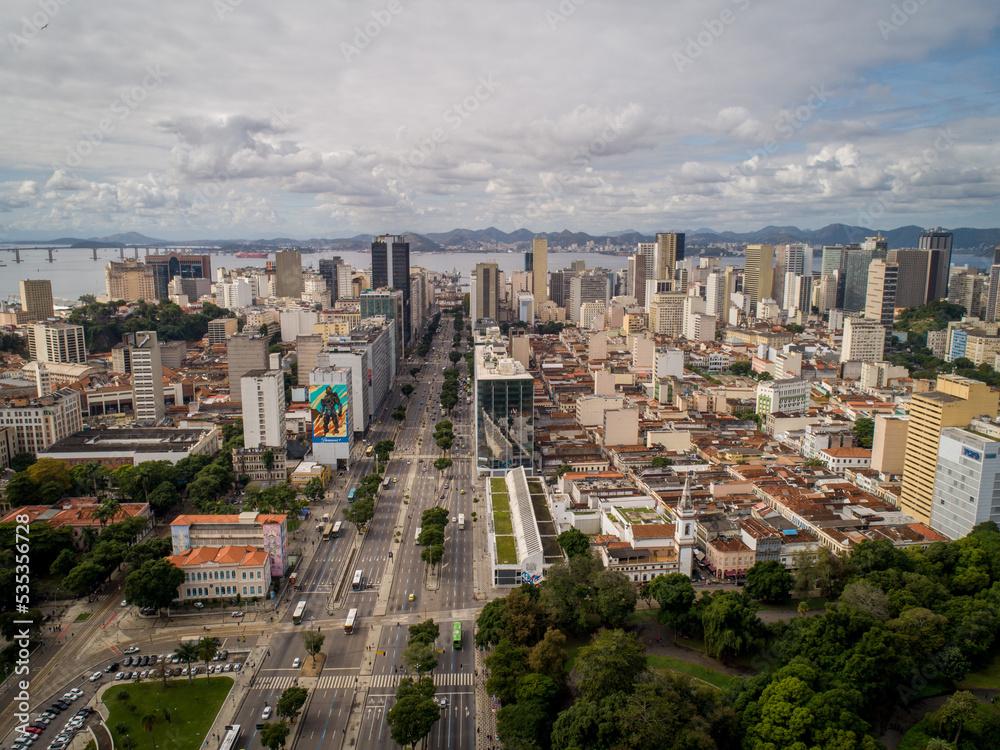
{"points": [[461, 520], [300, 609], [356, 583], [231, 737], [416, 537], [387, 483], [352, 616]]}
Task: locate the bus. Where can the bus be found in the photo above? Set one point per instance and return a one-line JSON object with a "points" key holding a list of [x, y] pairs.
{"points": [[461, 520], [416, 537], [231, 737], [327, 531], [336, 529], [368, 450], [387, 483], [294, 581], [356, 583], [326, 518], [300, 609], [352, 615], [456, 634], [350, 495]]}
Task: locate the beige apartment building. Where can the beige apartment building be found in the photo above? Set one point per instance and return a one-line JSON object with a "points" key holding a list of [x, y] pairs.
{"points": [[130, 280], [955, 402]]}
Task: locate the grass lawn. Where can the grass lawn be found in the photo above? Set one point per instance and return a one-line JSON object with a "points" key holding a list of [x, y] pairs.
{"points": [[573, 646], [498, 485], [83, 617], [988, 678], [501, 502], [501, 519], [711, 676], [192, 709], [506, 551], [293, 524]]}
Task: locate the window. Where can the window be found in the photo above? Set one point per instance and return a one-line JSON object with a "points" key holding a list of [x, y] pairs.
{"points": [[244, 578], [244, 591]]}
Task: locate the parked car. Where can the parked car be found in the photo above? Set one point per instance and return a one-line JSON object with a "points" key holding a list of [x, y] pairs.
{"points": [[96, 676], [237, 614]]}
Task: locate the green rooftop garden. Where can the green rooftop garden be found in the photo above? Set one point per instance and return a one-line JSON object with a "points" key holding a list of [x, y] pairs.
{"points": [[501, 502], [506, 551], [498, 485], [501, 522]]}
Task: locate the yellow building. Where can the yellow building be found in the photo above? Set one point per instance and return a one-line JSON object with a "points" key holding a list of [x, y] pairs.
{"points": [[758, 277], [955, 402]]}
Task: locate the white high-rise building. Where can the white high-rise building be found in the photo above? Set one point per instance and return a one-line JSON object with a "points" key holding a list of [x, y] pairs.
{"points": [[967, 481], [234, 295], [864, 341], [263, 408], [147, 376]]}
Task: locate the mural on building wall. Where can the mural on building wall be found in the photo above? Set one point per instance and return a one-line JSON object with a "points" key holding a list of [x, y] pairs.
{"points": [[330, 413]]}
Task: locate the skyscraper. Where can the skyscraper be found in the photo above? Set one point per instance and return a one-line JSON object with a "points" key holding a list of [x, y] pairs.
{"points": [[486, 302], [939, 240], [328, 269], [880, 302], [263, 409], [147, 376], [993, 294], [36, 298], [245, 352], [856, 263], [288, 273], [911, 290], [540, 269], [669, 250], [955, 402], [169, 266], [391, 270], [788, 259], [759, 274], [57, 342]]}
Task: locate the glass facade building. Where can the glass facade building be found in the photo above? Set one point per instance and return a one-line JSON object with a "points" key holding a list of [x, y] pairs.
{"points": [[504, 414]]}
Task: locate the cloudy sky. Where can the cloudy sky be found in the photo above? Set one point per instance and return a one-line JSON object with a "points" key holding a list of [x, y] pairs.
{"points": [[190, 119]]}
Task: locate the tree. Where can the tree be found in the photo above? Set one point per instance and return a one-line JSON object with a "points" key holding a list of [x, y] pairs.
{"points": [[420, 657], [273, 736], [730, 623], [675, 594], [432, 555], [407, 389], [187, 653], [163, 498], [803, 608], [742, 367], [148, 723], [360, 512], [399, 414], [525, 618], [612, 662], [414, 371], [507, 664], [864, 431], [154, 584], [64, 563], [658, 461], [614, 597], [424, 632], [207, 649], [768, 581], [454, 356], [574, 542], [820, 570], [957, 710], [442, 464], [21, 461], [291, 702], [312, 641], [314, 490], [489, 624], [548, 656], [85, 576], [525, 724], [412, 719]]}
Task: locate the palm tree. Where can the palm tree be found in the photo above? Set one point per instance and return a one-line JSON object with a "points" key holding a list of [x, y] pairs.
{"points": [[88, 538], [148, 723], [938, 744], [187, 653], [107, 511], [207, 649]]}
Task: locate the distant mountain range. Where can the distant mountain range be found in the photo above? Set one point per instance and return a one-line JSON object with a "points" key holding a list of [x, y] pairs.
{"points": [[966, 240]]}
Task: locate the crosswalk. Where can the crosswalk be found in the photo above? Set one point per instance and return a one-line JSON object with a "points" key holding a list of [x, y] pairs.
{"points": [[336, 682]]}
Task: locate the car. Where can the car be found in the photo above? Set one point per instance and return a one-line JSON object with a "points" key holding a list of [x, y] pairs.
{"points": [[144, 674], [296, 663], [131, 650], [212, 667], [28, 739], [152, 659], [128, 661], [237, 614], [198, 605], [54, 709], [33, 730], [111, 668], [223, 655], [48, 714], [237, 667], [228, 667], [76, 691], [412, 597], [96, 676], [185, 671], [88, 710], [148, 611], [144, 661], [442, 702], [266, 713], [56, 745]]}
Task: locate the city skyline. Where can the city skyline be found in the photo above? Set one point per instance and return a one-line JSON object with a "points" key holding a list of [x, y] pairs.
{"points": [[782, 113]]}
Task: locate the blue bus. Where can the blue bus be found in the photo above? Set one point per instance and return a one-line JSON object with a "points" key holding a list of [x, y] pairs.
{"points": [[350, 495]]}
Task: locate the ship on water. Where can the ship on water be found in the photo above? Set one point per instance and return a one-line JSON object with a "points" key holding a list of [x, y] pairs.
{"points": [[251, 255]]}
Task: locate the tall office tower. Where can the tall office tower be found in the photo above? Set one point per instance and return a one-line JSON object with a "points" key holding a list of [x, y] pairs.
{"points": [[734, 282], [641, 273], [833, 259], [648, 251], [529, 262], [715, 295], [966, 491], [936, 239], [880, 302], [147, 376], [246, 352], [130, 281], [669, 250], [540, 269], [389, 305], [36, 299], [578, 266], [787, 259], [864, 341], [57, 342], [263, 408], [826, 292], [169, 266], [391, 270], [759, 274], [913, 266], [993, 294], [504, 414], [798, 293], [630, 277], [328, 269], [559, 286], [965, 288], [288, 273], [856, 263], [487, 302], [955, 402], [592, 286], [875, 243]]}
